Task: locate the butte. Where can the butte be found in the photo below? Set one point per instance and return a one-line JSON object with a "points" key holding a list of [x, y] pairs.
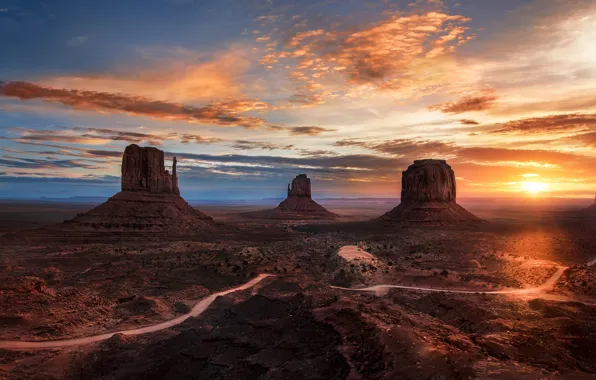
{"points": [[428, 196], [298, 205], [149, 202]]}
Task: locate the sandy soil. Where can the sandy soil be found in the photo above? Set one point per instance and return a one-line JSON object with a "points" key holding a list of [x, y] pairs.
{"points": [[352, 252]]}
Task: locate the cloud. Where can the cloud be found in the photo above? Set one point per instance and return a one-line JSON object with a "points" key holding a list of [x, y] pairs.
{"points": [[171, 74], [548, 124], [403, 147], [309, 131], [102, 136], [520, 156], [399, 52], [467, 104], [223, 114], [31, 163], [250, 145], [188, 138], [588, 139], [77, 41], [468, 122], [356, 162]]}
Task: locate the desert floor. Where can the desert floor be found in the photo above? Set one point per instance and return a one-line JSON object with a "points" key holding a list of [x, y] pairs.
{"points": [[305, 320]]}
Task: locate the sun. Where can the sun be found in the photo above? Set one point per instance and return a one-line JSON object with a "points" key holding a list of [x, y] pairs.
{"points": [[534, 187]]}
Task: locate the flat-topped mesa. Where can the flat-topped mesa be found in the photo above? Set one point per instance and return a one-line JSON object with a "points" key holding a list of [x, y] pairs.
{"points": [[143, 169], [428, 181], [300, 187], [428, 196]]}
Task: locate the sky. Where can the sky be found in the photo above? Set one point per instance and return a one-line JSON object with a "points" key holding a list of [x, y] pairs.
{"points": [[249, 93]]}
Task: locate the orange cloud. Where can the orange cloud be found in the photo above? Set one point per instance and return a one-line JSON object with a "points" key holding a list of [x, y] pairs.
{"points": [[309, 131], [103, 136], [391, 54], [223, 114], [467, 104], [403, 147], [183, 76], [549, 124]]}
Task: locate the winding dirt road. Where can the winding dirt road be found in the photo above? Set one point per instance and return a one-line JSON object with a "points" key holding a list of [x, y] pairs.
{"points": [[197, 310], [547, 285], [203, 304]]}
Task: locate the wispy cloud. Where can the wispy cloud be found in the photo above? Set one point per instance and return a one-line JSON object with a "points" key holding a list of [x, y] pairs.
{"points": [[389, 54], [469, 103], [250, 145], [309, 131], [172, 74], [223, 114], [77, 41], [403, 147], [102, 136], [548, 124]]}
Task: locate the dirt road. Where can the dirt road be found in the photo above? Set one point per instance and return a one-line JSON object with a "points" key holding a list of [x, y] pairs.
{"points": [[197, 310]]}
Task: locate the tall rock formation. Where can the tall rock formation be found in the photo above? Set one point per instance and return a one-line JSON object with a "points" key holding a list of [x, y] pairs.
{"points": [[300, 187], [150, 200], [428, 195], [298, 205]]}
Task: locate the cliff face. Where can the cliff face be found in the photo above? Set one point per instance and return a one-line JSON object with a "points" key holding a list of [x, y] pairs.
{"points": [[143, 169], [428, 181], [300, 187]]}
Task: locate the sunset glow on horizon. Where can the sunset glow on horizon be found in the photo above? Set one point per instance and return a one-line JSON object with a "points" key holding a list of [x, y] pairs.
{"points": [[248, 94]]}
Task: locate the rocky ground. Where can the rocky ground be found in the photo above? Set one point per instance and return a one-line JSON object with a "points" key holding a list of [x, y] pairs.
{"points": [[295, 325]]}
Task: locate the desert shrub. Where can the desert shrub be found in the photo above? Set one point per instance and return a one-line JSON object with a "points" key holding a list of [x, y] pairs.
{"points": [[181, 308]]}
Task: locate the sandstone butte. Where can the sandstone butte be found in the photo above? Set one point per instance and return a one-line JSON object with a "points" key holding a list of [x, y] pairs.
{"points": [[298, 204], [428, 196], [150, 200]]}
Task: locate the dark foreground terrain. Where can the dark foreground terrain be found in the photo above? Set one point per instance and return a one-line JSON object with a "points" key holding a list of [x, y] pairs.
{"points": [[295, 325]]}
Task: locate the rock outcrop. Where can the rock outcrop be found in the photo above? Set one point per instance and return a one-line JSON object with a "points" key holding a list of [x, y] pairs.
{"points": [[150, 200], [428, 195], [298, 205]]}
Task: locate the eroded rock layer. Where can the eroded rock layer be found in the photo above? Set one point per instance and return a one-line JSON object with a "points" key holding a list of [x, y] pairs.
{"points": [[144, 211], [429, 196]]}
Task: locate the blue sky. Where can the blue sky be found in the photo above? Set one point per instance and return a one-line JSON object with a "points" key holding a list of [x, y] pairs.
{"points": [[250, 93]]}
